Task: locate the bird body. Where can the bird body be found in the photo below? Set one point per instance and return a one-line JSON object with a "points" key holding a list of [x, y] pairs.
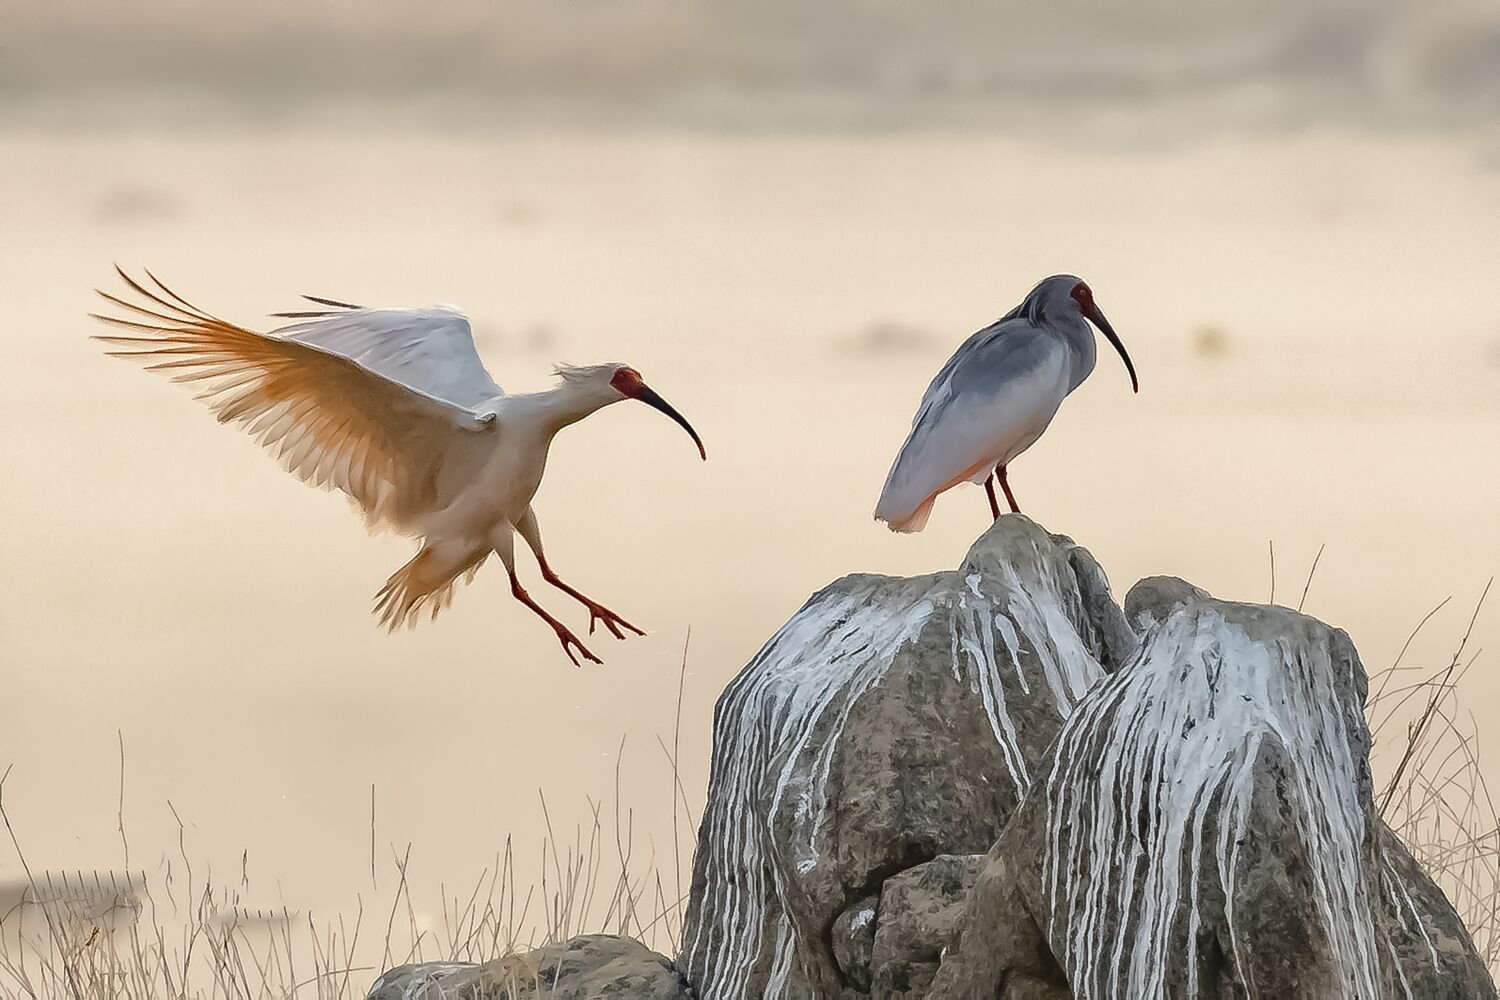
{"points": [[394, 408], [994, 398]]}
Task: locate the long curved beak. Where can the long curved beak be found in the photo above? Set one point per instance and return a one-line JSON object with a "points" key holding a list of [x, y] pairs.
{"points": [[1109, 332], [649, 396]]}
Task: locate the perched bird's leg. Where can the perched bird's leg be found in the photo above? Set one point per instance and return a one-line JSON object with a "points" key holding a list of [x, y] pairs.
{"points": [[504, 546], [1005, 485], [989, 491], [532, 532]]}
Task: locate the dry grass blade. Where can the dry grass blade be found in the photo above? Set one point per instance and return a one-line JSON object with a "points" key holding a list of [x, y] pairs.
{"points": [[1310, 573], [1271, 548]]}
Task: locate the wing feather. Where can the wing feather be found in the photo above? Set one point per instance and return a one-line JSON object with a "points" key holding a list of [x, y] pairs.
{"points": [[328, 419], [431, 350]]}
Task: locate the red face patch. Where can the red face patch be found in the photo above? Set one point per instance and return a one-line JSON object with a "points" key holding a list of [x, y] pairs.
{"points": [[1082, 295], [627, 381]]}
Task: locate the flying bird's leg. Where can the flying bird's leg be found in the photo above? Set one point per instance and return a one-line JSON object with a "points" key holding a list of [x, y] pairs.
{"points": [[532, 532], [989, 491], [1005, 485], [564, 636], [506, 550]]}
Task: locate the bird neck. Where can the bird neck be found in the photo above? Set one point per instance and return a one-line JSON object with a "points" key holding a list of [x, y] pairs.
{"points": [[1083, 348], [569, 402]]}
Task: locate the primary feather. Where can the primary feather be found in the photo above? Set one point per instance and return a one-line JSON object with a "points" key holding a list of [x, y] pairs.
{"points": [[397, 449]]}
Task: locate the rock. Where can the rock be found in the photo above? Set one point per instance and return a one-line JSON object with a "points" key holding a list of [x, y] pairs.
{"points": [[854, 942], [1206, 828], [591, 967], [1154, 598], [1428, 942], [1111, 630], [890, 721], [428, 981], [919, 912]]}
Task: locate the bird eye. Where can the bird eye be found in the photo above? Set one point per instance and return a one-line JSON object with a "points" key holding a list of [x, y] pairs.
{"points": [[626, 379]]}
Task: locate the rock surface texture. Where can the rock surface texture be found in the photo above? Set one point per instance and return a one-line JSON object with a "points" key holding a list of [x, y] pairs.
{"points": [[1203, 826], [919, 912], [891, 721], [592, 967]]}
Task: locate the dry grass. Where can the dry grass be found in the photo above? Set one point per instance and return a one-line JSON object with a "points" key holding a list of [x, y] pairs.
{"points": [[1436, 797], [178, 936]]}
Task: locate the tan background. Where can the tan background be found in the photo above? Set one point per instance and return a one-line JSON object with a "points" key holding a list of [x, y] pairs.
{"points": [[1291, 221]]}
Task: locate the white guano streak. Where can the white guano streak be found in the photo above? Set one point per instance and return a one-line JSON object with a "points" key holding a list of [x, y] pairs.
{"points": [[1398, 899], [768, 710], [781, 721], [1174, 736]]}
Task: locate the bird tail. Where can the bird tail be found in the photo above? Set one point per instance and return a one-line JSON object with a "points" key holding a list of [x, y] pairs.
{"points": [[427, 581], [909, 523]]}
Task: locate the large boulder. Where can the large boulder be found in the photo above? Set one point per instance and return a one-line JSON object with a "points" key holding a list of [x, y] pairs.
{"points": [[591, 967], [889, 722], [1205, 827]]}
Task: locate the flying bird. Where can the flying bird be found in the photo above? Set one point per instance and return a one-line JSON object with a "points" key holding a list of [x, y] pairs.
{"points": [[994, 398], [394, 408]]}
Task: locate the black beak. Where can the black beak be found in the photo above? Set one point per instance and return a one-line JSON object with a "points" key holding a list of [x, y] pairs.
{"points": [[1109, 332], [648, 396]]}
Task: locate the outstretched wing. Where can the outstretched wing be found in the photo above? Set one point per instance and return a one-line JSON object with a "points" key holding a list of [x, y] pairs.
{"points": [[396, 450], [988, 402], [430, 350]]}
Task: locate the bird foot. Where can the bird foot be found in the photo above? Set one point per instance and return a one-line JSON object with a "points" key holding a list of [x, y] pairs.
{"points": [[599, 613], [569, 642]]}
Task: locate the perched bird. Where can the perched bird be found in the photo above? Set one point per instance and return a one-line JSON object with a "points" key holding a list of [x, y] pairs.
{"points": [[394, 408], [994, 398]]}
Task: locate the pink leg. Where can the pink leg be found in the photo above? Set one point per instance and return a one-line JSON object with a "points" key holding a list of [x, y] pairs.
{"points": [[1005, 485], [597, 612], [532, 533], [564, 636], [989, 491]]}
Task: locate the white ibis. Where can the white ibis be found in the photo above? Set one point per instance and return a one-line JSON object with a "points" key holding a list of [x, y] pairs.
{"points": [[394, 408], [994, 398]]}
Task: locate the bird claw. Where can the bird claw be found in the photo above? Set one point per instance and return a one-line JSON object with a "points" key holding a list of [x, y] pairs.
{"points": [[599, 613], [569, 640]]}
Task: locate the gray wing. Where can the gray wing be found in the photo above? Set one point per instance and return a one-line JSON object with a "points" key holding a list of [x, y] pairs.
{"points": [[430, 350], [994, 387], [1007, 345]]}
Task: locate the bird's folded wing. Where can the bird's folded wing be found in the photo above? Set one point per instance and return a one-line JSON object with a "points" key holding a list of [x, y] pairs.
{"points": [[332, 422], [990, 395], [998, 334], [431, 350]]}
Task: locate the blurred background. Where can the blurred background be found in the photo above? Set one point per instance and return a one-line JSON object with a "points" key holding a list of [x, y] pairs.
{"points": [[786, 218]]}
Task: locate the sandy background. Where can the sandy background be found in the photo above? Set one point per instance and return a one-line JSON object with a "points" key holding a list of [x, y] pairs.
{"points": [[1299, 250]]}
